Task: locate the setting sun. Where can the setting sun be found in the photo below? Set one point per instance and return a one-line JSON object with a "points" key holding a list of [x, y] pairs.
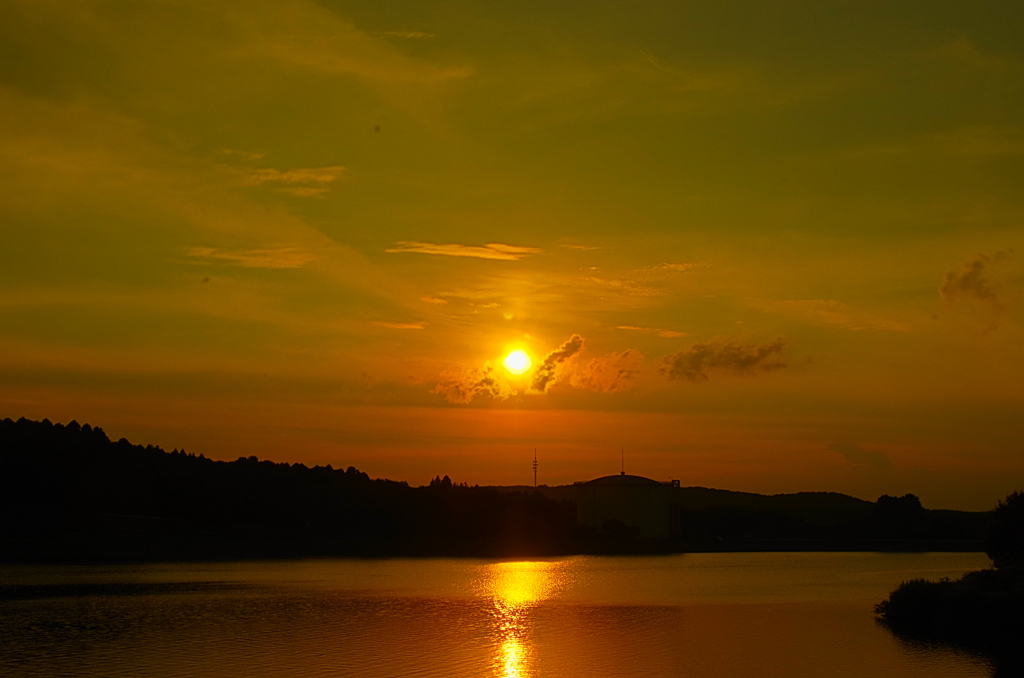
{"points": [[517, 362]]}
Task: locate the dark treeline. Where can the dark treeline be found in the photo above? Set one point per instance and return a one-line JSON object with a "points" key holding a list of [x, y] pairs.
{"points": [[721, 514], [712, 519], [67, 491], [983, 611]]}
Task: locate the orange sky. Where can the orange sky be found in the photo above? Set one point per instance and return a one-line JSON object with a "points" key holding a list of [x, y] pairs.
{"points": [[767, 249]]}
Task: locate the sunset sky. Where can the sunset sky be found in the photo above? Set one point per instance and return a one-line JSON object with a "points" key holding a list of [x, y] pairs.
{"points": [[771, 247]]}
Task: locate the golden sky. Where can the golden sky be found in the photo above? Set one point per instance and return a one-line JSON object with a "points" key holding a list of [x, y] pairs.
{"points": [[768, 247]]}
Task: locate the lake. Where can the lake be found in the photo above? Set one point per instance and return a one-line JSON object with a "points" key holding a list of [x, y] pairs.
{"points": [[708, 614]]}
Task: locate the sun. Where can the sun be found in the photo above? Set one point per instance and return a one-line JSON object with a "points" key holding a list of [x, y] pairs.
{"points": [[517, 362]]}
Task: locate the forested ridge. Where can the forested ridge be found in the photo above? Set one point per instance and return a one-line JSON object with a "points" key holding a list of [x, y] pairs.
{"points": [[68, 491], [73, 483]]}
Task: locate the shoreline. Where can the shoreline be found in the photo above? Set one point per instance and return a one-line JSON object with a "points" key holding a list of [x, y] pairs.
{"points": [[106, 547]]}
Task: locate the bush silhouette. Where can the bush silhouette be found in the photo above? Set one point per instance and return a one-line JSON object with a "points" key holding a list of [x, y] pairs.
{"points": [[1005, 541]]}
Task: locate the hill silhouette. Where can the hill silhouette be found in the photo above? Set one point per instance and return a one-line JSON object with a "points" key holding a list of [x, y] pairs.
{"points": [[714, 519], [68, 492]]}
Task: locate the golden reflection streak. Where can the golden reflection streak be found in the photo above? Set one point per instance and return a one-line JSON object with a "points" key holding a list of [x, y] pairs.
{"points": [[513, 658], [514, 589]]}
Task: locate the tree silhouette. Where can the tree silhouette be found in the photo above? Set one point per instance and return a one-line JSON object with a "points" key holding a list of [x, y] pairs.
{"points": [[983, 610], [1005, 541], [69, 490]]}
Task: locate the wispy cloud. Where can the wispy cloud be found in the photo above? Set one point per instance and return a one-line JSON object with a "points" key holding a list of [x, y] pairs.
{"points": [[418, 325], [667, 268], [322, 175], [243, 155], [304, 182], [694, 363], [641, 282], [858, 457], [610, 373], [275, 257], [488, 251], [961, 53], [668, 334], [580, 247], [971, 281], [314, 38], [408, 35], [975, 141], [429, 299], [979, 141], [625, 286], [830, 312]]}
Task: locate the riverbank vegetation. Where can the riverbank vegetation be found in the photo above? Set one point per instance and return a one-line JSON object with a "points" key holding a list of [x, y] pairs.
{"points": [[982, 611]]}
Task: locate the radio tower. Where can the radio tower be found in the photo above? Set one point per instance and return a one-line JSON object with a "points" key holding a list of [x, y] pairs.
{"points": [[535, 467]]}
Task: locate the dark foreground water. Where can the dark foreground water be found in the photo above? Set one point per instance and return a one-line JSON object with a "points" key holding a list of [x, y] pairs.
{"points": [[704, 615]]}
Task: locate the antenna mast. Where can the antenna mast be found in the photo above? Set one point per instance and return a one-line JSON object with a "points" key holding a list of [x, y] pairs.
{"points": [[535, 467], [622, 472]]}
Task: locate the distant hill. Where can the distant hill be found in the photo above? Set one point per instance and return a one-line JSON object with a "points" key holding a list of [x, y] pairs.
{"points": [[68, 491], [702, 498], [710, 516]]}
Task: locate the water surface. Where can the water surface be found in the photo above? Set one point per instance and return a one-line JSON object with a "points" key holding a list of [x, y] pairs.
{"points": [[709, 615]]}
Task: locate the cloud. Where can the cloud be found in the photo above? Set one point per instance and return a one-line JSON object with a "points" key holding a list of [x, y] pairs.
{"points": [[304, 182], [971, 281], [609, 373], [629, 287], [243, 155], [488, 251], [580, 247], [830, 312], [548, 370], [692, 363], [408, 35], [603, 374], [858, 457], [962, 55], [428, 299], [977, 141], [670, 268], [668, 334], [322, 175], [461, 387], [972, 142], [315, 39], [277, 257], [641, 282], [418, 325]]}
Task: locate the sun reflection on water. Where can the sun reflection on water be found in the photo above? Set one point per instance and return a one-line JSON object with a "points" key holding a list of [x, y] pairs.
{"points": [[513, 658], [514, 589]]}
